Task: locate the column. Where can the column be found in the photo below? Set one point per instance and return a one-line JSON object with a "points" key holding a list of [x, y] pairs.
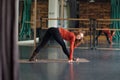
{"points": [[53, 12]]}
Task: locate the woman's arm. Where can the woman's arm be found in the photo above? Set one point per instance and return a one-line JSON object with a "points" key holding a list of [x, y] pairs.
{"points": [[72, 41], [71, 51]]}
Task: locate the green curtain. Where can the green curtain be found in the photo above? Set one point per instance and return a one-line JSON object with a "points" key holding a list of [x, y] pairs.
{"points": [[115, 14], [25, 32]]}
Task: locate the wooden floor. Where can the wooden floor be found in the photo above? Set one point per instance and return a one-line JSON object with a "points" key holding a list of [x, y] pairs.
{"points": [[102, 64]]}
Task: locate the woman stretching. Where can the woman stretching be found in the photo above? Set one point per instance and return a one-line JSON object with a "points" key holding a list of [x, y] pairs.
{"points": [[60, 34], [108, 33]]}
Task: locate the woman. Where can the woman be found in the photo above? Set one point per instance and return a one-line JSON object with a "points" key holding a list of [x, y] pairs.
{"points": [[108, 33], [60, 34]]}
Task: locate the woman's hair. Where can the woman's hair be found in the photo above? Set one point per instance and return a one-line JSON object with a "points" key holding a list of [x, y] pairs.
{"points": [[112, 32], [78, 32], [78, 41]]}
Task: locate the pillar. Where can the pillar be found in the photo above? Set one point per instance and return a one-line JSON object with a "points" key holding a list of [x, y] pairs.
{"points": [[53, 12]]}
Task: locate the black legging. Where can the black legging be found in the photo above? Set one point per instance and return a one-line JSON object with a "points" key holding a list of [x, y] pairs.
{"points": [[52, 32], [107, 37]]}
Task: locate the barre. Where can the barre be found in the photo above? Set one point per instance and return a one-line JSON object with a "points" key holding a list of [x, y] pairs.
{"points": [[107, 29], [86, 29], [108, 19], [73, 28], [75, 19], [80, 19]]}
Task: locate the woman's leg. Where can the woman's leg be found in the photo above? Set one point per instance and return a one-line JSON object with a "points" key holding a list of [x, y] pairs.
{"points": [[41, 45], [58, 38], [99, 33], [96, 39], [107, 37]]}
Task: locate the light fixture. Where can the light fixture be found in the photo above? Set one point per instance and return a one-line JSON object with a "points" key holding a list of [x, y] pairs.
{"points": [[92, 1]]}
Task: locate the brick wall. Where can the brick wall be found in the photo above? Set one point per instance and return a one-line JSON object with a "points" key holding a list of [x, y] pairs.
{"points": [[42, 12], [97, 10], [86, 10]]}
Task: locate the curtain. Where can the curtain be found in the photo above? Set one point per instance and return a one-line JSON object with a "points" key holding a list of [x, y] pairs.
{"points": [[8, 40], [115, 14], [25, 31]]}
